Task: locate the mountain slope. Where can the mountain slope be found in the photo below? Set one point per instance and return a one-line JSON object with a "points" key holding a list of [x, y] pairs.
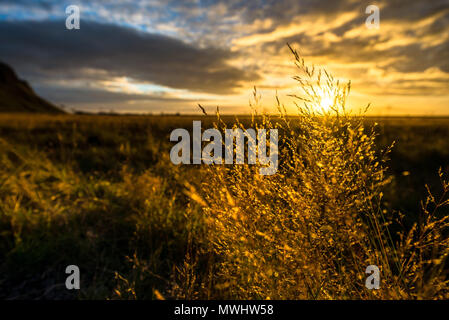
{"points": [[17, 96]]}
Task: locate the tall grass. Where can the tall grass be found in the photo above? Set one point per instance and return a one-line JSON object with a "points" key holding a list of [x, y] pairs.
{"points": [[310, 231], [100, 197]]}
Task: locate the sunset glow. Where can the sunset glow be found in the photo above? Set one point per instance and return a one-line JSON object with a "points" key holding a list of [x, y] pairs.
{"points": [[169, 56]]}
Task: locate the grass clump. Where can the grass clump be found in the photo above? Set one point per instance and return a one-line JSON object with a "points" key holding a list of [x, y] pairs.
{"points": [[310, 231]]}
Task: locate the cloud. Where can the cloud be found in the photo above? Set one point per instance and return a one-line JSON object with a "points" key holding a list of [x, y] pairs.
{"points": [[223, 47], [95, 95], [413, 38], [44, 49]]}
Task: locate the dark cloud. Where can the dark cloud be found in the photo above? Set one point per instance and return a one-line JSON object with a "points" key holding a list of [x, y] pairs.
{"points": [[47, 49], [282, 12], [415, 58], [86, 95], [412, 10]]}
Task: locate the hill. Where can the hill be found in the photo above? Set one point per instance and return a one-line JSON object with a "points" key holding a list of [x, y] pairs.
{"points": [[16, 95]]}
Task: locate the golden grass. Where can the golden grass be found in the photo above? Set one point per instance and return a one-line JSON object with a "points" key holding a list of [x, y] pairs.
{"points": [[310, 231]]}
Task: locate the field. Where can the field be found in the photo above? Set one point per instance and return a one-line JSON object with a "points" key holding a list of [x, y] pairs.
{"points": [[101, 193]]}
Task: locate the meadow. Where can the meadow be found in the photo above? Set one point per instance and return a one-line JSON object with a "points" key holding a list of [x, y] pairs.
{"points": [[100, 192]]}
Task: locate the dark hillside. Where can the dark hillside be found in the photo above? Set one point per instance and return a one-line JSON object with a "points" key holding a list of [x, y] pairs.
{"points": [[17, 96]]}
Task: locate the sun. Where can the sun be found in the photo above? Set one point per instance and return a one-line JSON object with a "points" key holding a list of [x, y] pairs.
{"points": [[323, 100], [326, 102]]}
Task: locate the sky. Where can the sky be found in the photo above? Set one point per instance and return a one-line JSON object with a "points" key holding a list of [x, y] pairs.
{"points": [[167, 56]]}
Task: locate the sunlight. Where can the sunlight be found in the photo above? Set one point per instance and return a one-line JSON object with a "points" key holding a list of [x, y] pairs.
{"points": [[326, 103], [323, 99]]}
